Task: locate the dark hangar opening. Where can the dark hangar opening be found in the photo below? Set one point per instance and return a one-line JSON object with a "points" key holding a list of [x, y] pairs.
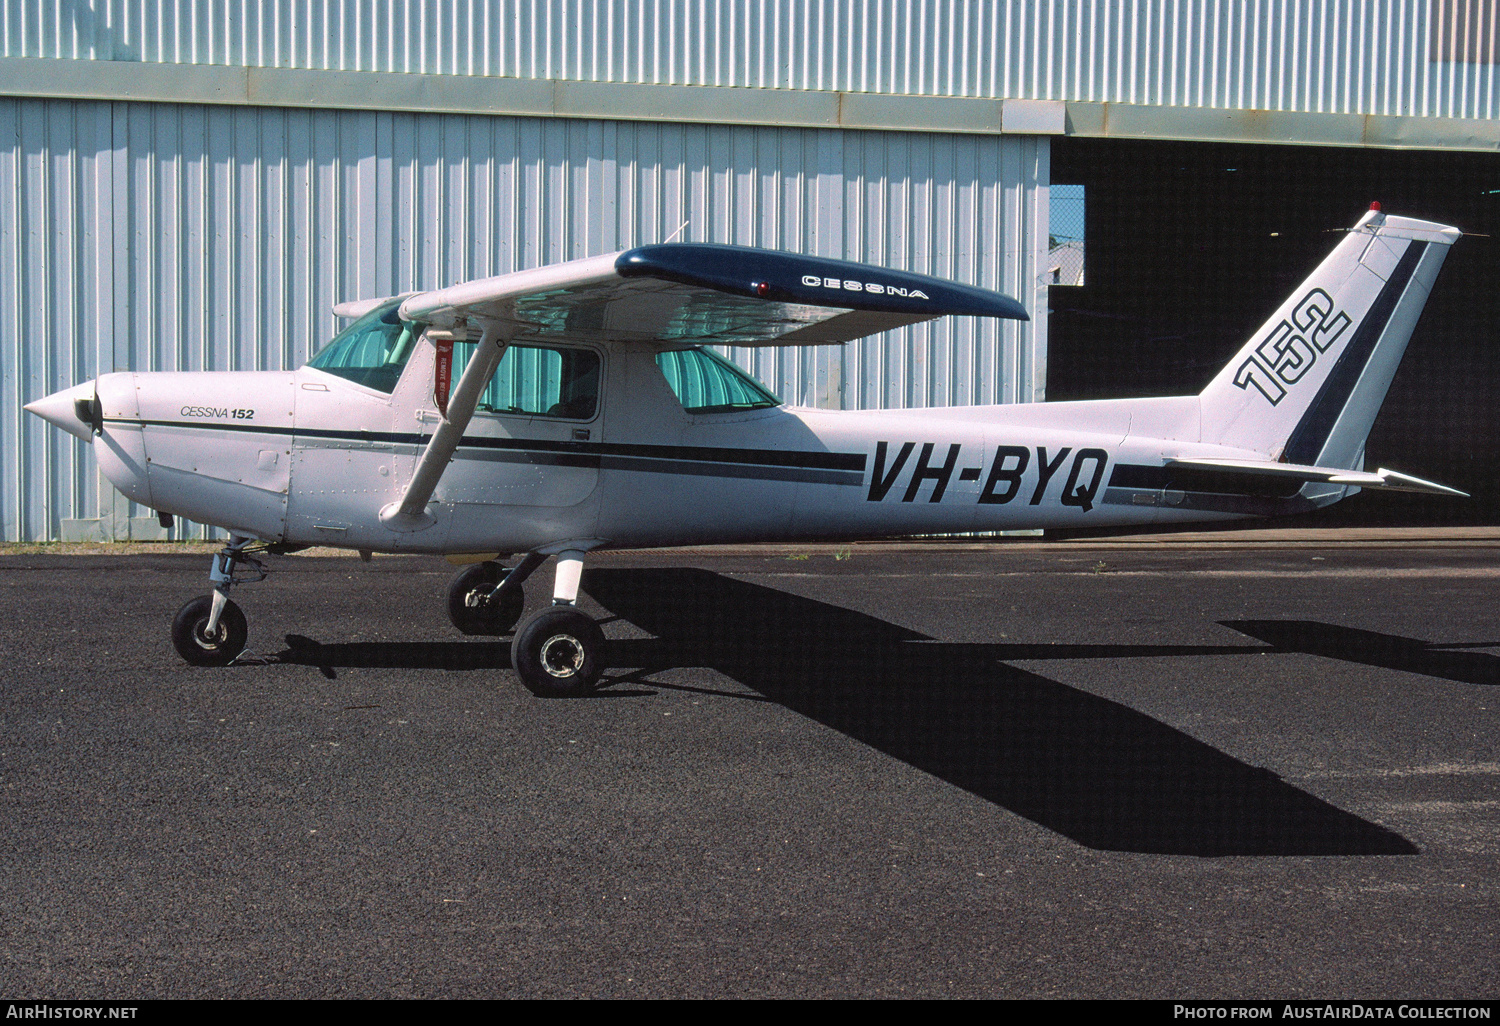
{"points": [[1191, 246]]}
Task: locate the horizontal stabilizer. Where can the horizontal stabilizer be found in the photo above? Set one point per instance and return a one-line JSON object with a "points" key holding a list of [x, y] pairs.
{"points": [[1390, 480]]}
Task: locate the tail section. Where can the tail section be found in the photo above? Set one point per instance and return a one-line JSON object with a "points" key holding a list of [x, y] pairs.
{"points": [[1307, 386]]}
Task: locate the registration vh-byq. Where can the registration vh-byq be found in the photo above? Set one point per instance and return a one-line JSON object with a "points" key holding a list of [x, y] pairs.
{"points": [[576, 407]]}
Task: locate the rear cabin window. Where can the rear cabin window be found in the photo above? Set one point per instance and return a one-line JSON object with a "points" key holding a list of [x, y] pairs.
{"points": [[373, 350], [538, 382], [705, 382]]}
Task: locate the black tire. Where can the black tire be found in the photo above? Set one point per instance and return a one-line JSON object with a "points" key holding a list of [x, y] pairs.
{"points": [[197, 647], [559, 651], [488, 619]]}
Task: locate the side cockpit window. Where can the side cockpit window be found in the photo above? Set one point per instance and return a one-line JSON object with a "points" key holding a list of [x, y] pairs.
{"points": [[705, 382], [373, 350], [535, 381]]}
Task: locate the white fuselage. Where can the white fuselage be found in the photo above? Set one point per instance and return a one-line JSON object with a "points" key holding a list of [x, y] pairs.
{"points": [[306, 457]]}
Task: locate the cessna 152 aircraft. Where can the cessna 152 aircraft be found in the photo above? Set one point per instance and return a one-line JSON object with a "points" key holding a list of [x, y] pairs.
{"points": [[587, 414]]}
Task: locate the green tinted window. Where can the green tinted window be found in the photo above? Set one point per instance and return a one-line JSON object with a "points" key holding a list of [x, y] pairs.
{"points": [[373, 350], [707, 383], [538, 382]]}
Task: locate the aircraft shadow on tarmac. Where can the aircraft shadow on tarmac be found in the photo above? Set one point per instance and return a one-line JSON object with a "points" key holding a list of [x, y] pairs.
{"points": [[1370, 648], [409, 655], [1091, 769], [418, 655]]}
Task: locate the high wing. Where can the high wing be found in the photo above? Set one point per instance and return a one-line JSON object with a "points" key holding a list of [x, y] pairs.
{"points": [[673, 295], [688, 294]]}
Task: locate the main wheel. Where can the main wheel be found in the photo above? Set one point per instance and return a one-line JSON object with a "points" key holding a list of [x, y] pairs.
{"points": [[559, 651], [470, 615], [193, 642]]}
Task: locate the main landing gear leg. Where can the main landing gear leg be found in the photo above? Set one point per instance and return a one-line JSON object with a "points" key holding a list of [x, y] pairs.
{"points": [[210, 630], [560, 651]]}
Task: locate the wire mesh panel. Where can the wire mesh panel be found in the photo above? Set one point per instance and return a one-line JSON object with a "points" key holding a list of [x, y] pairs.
{"points": [[1066, 247]]}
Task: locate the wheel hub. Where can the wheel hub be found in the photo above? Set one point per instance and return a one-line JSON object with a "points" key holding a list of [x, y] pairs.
{"points": [[562, 655], [207, 640]]}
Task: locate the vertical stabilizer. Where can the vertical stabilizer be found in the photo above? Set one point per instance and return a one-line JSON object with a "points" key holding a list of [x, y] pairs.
{"points": [[1307, 386]]}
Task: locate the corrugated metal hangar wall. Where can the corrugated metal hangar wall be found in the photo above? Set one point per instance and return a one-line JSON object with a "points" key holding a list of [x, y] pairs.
{"points": [[193, 183], [1390, 57], [182, 237]]}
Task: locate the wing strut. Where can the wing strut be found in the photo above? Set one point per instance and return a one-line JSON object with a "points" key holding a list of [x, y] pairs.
{"points": [[410, 513]]}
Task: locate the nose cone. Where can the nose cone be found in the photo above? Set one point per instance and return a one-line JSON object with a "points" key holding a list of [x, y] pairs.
{"points": [[72, 409]]}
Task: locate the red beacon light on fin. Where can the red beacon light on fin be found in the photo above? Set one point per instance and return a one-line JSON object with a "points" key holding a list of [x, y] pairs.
{"points": [[1375, 206]]}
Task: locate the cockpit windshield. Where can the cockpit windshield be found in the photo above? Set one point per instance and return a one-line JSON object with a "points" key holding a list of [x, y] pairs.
{"points": [[373, 350]]}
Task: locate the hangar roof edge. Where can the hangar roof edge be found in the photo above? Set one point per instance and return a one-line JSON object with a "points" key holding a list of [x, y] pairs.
{"points": [[65, 78]]}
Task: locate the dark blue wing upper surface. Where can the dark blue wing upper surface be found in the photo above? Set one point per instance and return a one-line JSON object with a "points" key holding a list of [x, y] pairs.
{"points": [[817, 281]]}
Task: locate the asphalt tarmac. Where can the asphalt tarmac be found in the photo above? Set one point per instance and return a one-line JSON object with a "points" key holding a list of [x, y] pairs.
{"points": [[1022, 772]]}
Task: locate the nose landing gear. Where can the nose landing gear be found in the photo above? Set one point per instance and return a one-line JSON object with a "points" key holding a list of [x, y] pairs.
{"points": [[210, 630], [204, 645]]}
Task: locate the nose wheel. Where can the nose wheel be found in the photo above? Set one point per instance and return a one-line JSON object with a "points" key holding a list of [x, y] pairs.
{"points": [[210, 630], [202, 645]]}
